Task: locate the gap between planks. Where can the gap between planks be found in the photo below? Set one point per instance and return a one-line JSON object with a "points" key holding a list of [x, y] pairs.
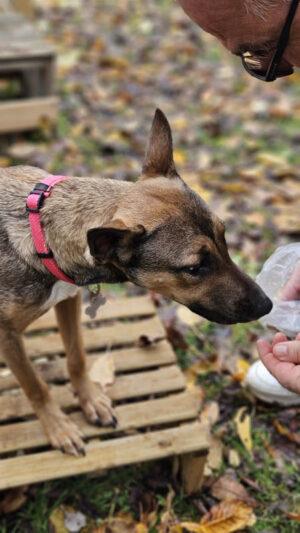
{"points": [[171, 409], [138, 306], [27, 469], [130, 386], [158, 354], [98, 338]]}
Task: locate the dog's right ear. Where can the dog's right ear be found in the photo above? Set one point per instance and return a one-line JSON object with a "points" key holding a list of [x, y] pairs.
{"points": [[113, 242], [159, 154]]}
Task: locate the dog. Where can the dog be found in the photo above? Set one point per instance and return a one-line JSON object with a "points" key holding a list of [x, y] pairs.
{"points": [[155, 232]]}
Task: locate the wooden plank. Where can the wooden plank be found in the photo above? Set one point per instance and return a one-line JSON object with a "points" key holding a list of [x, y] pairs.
{"points": [[95, 339], [17, 115], [38, 467], [158, 354], [24, 435], [162, 380], [120, 308]]}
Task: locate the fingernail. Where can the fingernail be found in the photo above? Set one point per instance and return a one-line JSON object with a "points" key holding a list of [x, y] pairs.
{"points": [[280, 350]]}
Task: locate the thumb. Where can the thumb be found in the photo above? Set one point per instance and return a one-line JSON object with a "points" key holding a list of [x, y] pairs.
{"points": [[288, 351]]}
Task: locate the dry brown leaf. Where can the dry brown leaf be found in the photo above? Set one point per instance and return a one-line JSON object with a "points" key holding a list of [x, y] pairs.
{"points": [[283, 430], [228, 488], [210, 413], [294, 516], [13, 500], [243, 427], [103, 370], [226, 517], [124, 523], [215, 456]]}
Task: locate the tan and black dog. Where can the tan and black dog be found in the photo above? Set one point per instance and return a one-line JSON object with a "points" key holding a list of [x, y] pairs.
{"points": [[156, 233]]}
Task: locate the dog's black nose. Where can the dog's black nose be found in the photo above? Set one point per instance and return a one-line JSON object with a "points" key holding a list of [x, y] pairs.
{"points": [[264, 306]]}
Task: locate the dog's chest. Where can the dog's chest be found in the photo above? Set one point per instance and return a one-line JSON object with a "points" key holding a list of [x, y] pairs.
{"points": [[60, 291]]}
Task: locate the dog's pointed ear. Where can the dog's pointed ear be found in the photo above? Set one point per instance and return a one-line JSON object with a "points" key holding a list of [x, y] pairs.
{"points": [[114, 241], [159, 154]]}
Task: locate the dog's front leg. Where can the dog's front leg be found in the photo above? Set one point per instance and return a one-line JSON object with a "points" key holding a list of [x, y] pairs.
{"points": [[60, 430], [94, 402]]}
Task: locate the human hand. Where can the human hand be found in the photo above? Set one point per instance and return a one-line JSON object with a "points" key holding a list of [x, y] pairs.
{"points": [[291, 290], [282, 359]]}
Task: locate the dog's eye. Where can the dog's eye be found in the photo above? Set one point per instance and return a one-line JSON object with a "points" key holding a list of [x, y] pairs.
{"points": [[201, 268]]}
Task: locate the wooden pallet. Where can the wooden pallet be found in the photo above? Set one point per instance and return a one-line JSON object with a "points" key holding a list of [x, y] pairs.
{"points": [[29, 60], [157, 416]]}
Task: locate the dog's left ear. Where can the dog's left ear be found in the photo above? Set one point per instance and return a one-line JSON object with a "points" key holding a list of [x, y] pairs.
{"points": [[114, 241], [159, 154]]}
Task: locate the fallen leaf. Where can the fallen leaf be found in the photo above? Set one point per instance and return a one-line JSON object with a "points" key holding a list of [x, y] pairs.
{"points": [[241, 368], [57, 521], [144, 341], [243, 427], [13, 500], [234, 458], [210, 413], [215, 455], [285, 432], [179, 156], [4, 162], [103, 370], [123, 523], [294, 516], [225, 517], [141, 528], [229, 488]]}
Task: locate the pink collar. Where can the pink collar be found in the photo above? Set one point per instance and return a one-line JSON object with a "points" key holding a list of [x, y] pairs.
{"points": [[34, 203]]}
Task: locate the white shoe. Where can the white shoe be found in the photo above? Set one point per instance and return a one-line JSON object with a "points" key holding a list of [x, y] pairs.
{"points": [[265, 387]]}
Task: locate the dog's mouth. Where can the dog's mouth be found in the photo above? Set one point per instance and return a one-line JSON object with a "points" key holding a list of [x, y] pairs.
{"points": [[247, 312]]}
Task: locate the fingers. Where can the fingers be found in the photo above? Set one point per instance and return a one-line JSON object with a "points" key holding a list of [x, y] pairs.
{"points": [[291, 291], [288, 351], [279, 337], [264, 347]]}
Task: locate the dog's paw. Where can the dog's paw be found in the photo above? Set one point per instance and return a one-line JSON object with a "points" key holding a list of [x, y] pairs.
{"points": [[62, 433], [95, 404]]}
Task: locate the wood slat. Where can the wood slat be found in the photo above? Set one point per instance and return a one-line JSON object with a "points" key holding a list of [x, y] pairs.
{"points": [[28, 469], [171, 409], [119, 308], [26, 114], [159, 354], [98, 338], [162, 380]]}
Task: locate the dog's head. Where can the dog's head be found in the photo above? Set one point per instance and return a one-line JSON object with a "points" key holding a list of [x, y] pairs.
{"points": [[164, 237]]}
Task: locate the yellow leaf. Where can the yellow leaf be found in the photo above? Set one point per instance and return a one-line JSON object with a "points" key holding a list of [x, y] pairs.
{"points": [[242, 367], [243, 427], [179, 123], [4, 161], [141, 528], [226, 517], [179, 156], [57, 520]]}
